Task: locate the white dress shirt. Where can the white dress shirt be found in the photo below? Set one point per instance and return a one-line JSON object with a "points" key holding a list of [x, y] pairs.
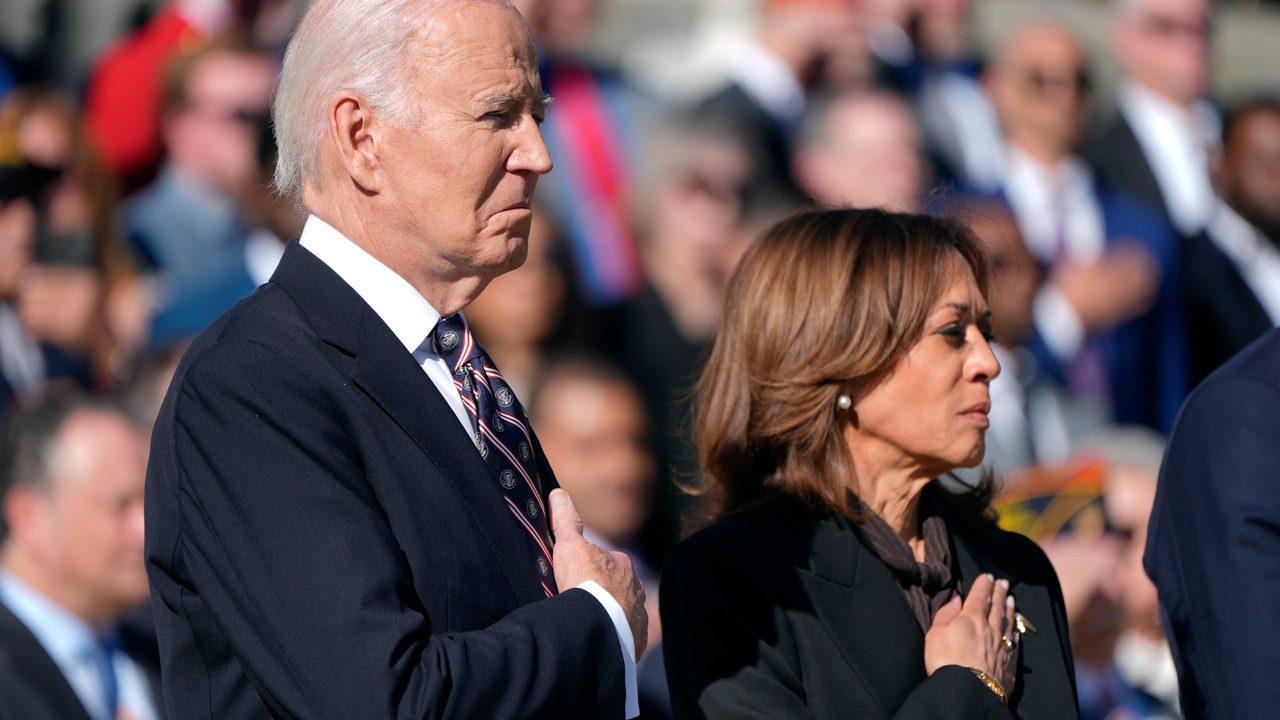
{"points": [[1178, 143], [74, 648], [1255, 256], [1058, 214], [411, 319]]}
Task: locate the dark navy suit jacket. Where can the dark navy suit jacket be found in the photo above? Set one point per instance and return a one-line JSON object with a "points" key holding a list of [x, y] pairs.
{"points": [[1213, 543], [324, 540]]}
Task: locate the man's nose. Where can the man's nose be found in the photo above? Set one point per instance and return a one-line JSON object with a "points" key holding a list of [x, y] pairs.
{"points": [[531, 153]]}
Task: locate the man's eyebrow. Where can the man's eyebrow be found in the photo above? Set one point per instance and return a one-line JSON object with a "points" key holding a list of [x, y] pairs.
{"points": [[512, 98]]}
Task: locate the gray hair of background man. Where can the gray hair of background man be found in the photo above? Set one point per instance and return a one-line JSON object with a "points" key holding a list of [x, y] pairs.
{"points": [[31, 441], [357, 45]]}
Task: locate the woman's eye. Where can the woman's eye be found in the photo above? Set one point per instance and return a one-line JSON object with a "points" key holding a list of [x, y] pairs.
{"points": [[990, 337], [952, 332]]}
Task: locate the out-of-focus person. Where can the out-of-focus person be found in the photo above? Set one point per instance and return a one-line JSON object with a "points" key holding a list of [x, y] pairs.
{"points": [[71, 566], [862, 149], [82, 291], [1123, 665], [1213, 548], [598, 137], [519, 316], [773, 75], [850, 371], [339, 470], [1108, 318], [190, 224], [124, 98], [1160, 143], [1034, 420], [1232, 270], [271, 221]]}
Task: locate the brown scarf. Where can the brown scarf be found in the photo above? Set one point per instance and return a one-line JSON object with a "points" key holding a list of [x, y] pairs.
{"points": [[927, 585]]}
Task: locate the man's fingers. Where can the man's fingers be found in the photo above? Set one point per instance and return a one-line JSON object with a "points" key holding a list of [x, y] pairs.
{"points": [[565, 521]]}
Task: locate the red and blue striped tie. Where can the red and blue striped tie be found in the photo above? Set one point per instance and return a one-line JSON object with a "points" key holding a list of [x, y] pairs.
{"points": [[502, 434]]}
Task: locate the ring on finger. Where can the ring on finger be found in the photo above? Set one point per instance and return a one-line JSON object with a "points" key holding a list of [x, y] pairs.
{"points": [[1008, 642]]}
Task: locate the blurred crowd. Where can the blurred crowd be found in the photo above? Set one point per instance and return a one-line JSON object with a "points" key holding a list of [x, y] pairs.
{"points": [[1133, 252]]}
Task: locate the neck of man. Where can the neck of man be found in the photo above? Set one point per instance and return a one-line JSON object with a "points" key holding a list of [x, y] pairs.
{"points": [[1046, 151], [445, 288], [35, 575]]}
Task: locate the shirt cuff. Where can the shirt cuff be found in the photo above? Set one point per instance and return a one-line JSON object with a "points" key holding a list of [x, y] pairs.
{"points": [[625, 639], [1058, 322]]}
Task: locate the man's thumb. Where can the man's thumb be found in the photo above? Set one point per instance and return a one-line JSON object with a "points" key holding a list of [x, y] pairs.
{"points": [[565, 520]]}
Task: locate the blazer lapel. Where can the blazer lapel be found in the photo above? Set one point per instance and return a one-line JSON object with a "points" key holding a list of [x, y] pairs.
{"points": [[858, 601], [392, 379]]}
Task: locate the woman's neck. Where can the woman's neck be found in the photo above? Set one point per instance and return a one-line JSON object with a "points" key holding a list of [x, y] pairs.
{"points": [[891, 485]]}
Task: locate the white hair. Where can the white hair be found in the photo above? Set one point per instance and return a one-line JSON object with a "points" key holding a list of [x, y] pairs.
{"points": [[357, 45]]}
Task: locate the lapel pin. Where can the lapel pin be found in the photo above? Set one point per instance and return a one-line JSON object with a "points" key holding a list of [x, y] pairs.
{"points": [[1023, 625]]}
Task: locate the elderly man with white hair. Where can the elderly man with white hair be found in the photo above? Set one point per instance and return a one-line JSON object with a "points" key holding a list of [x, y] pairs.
{"points": [[348, 515]]}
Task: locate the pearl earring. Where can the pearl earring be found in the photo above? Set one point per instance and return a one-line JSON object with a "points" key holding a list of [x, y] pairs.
{"points": [[844, 402]]}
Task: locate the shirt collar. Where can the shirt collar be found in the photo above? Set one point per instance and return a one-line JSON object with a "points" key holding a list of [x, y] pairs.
{"points": [[404, 310], [64, 636], [1148, 112]]}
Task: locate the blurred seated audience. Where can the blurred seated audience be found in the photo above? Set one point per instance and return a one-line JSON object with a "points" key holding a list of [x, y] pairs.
{"points": [[800, 46], [189, 225], [862, 149], [272, 220], [596, 133], [1160, 143], [82, 292], [71, 566], [123, 103], [1232, 270], [1108, 320], [520, 313]]}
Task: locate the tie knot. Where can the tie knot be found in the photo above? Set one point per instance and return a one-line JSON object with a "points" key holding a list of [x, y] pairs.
{"points": [[453, 342]]}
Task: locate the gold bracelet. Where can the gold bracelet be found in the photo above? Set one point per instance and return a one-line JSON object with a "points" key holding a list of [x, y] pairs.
{"points": [[993, 685]]}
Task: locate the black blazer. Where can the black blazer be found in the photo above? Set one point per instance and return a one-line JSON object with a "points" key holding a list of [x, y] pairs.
{"points": [[1118, 159], [1213, 541], [324, 540], [778, 612], [1223, 315], [32, 686]]}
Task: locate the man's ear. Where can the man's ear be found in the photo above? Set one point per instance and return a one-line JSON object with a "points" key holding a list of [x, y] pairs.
{"points": [[355, 134], [22, 507]]}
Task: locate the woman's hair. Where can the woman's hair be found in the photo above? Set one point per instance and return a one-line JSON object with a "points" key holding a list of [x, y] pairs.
{"points": [[826, 302]]}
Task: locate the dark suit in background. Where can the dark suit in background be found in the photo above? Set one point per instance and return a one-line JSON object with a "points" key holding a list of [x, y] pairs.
{"points": [[780, 613], [1213, 545], [32, 686], [324, 540]]}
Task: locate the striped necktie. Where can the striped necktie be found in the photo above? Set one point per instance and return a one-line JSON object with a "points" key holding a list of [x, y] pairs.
{"points": [[502, 435]]}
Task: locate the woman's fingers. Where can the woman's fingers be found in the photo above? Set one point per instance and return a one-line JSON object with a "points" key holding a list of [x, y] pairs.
{"points": [[996, 613], [978, 604]]}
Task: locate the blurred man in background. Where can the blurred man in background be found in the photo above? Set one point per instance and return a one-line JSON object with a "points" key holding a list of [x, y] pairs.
{"points": [[190, 225], [1161, 142], [71, 566], [1232, 270], [1108, 320], [862, 149]]}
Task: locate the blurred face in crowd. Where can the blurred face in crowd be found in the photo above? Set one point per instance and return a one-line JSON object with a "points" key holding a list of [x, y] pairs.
{"points": [[17, 243], [931, 410], [1040, 90], [1164, 45], [214, 133], [593, 432], [1250, 170], [1014, 273], [85, 529], [523, 306], [868, 154], [457, 185], [1130, 494]]}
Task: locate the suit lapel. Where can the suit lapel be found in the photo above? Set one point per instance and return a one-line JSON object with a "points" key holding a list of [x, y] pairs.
{"points": [[392, 379], [858, 601], [32, 662]]}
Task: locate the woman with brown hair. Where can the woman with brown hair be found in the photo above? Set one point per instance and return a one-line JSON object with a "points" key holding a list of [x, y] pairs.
{"points": [[841, 578]]}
